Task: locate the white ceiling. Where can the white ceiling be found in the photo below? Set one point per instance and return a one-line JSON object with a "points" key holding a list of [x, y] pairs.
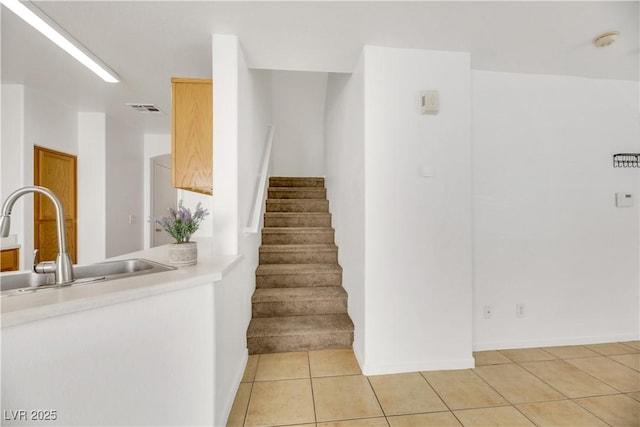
{"points": [[148, 42]]}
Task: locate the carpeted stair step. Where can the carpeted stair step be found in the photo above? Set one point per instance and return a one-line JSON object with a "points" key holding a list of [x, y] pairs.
{"points": [[280, 181], [299, 333], [298, 254], [297, 193], [297, 219], [298, 275], [299, 301], [297, 205], [298, 235]]}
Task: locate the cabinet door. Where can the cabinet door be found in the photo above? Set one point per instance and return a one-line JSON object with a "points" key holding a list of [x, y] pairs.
{"points": [[192, 134], [9, 260]]}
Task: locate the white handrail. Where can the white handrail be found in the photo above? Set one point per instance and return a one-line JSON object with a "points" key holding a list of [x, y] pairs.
{"points": [[261, 184]]}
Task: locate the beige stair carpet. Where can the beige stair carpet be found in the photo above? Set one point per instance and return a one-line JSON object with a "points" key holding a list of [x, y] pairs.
{"points": [[299, 303]]}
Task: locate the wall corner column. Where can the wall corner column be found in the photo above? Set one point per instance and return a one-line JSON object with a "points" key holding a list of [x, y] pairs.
{"points": [[225, 51], [91, 187]]}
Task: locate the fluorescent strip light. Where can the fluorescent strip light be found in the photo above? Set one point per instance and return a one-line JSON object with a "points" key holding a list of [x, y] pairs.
{"points": [[41, 22]]}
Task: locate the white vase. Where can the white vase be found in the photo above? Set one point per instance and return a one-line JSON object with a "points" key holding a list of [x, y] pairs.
{"points": [[183, 254]]}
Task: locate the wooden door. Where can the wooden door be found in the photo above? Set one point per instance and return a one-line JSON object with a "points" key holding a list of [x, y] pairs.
{"points": [[58, 172]]}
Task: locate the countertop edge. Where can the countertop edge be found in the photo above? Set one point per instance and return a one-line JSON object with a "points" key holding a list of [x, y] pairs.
{"points": [[40, 305]]}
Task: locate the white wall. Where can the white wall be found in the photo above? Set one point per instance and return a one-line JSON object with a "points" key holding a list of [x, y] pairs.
{"points": [[298, 115], [344, 166], [242, 111], [547, 233], [232, 315], [147, 362], [225, 52], [124, 187], [39, 120], [31, 119], [12, 154], [47, 124], [12, 138], [254, 94], [50, 124], [417, 229], [92, 211]]}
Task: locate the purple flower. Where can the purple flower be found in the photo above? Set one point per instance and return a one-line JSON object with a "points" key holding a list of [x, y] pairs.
{"points": [[180, 223]]}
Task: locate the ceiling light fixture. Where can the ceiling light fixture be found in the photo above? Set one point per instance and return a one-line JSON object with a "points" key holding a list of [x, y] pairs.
{"points": [[605, 39], [41, 22]]}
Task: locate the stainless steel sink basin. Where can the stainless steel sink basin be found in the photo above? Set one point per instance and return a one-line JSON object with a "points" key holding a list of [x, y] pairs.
{"points": [[17, 283]]}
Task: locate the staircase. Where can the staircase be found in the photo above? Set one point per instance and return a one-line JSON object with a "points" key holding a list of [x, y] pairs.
{"points": [[299, 303]]}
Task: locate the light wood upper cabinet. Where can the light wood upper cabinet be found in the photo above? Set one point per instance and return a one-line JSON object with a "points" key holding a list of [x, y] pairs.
{"points": [[192, 134]]}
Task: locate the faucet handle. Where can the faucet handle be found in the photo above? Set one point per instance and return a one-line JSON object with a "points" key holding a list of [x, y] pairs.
{"points": [[35, 259], [42, 267]]}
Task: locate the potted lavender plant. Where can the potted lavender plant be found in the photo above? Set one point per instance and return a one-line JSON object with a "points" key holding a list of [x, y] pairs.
{"points": [[181, 224]]}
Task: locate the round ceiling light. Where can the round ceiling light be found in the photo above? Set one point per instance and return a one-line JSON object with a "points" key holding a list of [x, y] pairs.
{"points": [[606, 39]]}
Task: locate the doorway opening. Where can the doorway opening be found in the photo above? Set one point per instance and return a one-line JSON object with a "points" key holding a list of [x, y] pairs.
{"points": [[163, 197]]}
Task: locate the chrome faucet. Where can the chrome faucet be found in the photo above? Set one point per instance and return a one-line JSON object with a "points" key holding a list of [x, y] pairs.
{"points": [[63, 267]]}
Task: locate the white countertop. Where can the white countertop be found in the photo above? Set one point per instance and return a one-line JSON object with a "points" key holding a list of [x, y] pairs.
{"points": [[46, 303]]}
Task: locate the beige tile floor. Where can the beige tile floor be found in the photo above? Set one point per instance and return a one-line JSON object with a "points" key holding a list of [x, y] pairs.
{"points": [[573, 386]]}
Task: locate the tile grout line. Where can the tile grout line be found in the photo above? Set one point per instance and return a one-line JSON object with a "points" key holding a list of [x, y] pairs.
{"points": [[570, 399], [565, 397], [246, 411], [544, 382], [622, 364], [596, 378], [492, 387], [441, 398], [448, 408], [509, 403], [384, 414], [592, 413], [313, 396], [513, 405], [579, 397], [302, 378], [553, 388], [553, 356], [634, 350]]}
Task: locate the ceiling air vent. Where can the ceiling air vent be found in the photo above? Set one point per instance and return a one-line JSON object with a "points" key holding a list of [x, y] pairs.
{"points": [[145, 108]]}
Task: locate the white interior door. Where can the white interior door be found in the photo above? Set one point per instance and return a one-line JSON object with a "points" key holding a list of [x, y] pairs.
{"points": [[163, 197]]}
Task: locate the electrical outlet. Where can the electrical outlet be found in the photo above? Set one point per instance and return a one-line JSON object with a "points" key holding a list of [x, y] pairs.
{"points": [[520, 310], [488, 312]]}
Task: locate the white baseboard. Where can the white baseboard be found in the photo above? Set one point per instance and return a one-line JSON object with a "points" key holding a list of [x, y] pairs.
{"points": [[221, 415], [417, 366], [359, 358], [558, 341]]}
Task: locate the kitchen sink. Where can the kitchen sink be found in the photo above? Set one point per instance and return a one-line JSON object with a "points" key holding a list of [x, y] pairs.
{"points": [[21, 282]]}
